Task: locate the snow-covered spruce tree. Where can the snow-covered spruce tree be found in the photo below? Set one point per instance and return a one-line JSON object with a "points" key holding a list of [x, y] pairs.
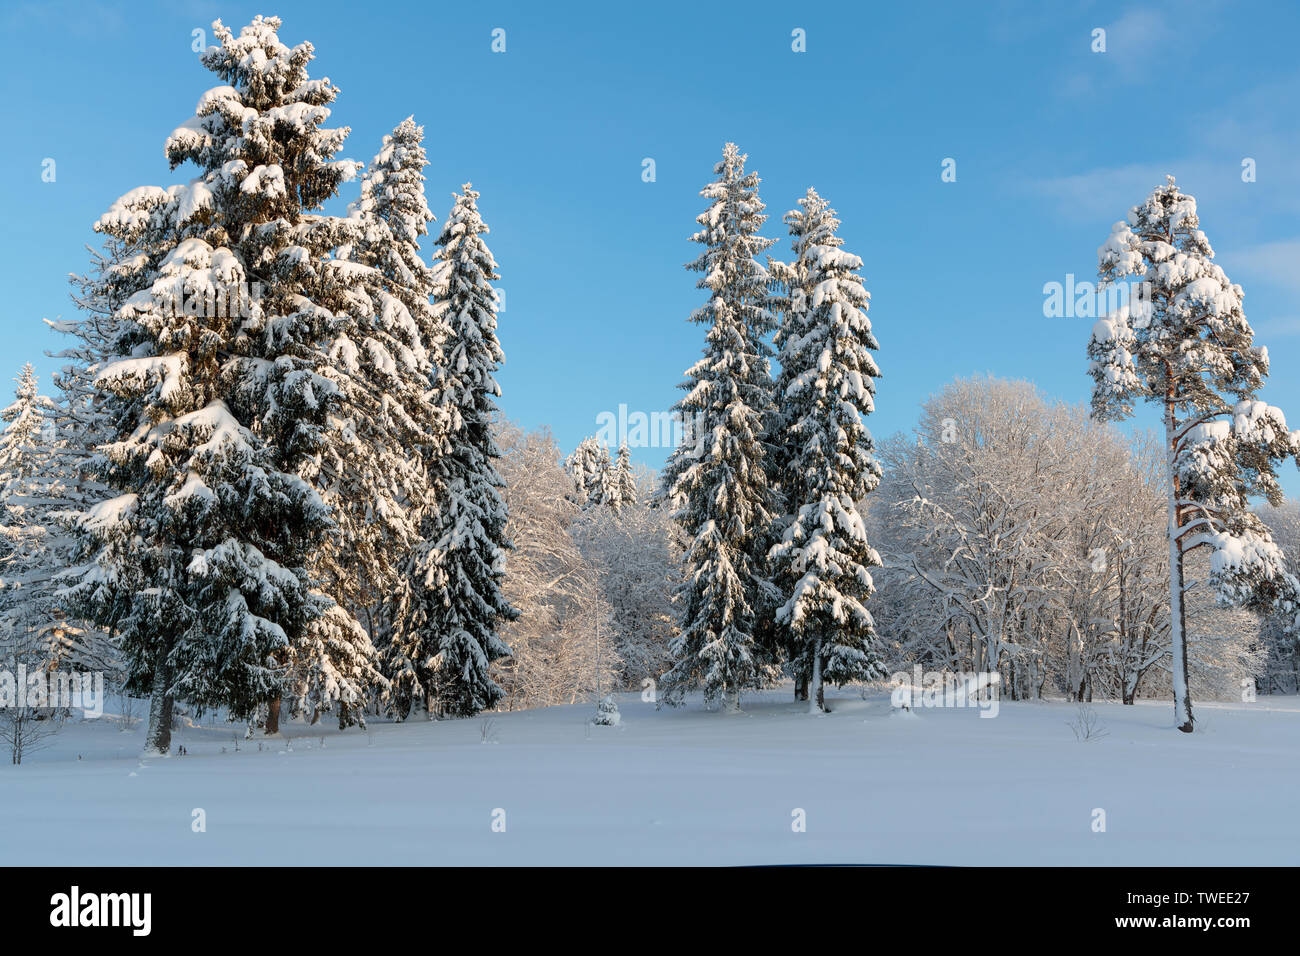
{"points": [[622, 483], [1184, 344], [589, 466], [200, 560], [446, 637], [598, 480], [607, 714], [84, 417], [40, 486], [387, 429], [24, 547], [824, 455], [24, 420], [83, 422], [718, 485]]}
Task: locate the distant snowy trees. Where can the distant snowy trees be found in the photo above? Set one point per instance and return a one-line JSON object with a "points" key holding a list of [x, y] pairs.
{"points": [[634, 546], [563, 642], [600, 480], [593, 584], [981, 534], [1282, 650], [589, 467], [1184, 345], [1022, 537]]}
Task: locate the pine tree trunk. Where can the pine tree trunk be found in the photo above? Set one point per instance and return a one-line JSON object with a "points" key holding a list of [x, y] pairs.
{"points": [[801, 687], [731, 700], [1177, 615], [158, 739]]}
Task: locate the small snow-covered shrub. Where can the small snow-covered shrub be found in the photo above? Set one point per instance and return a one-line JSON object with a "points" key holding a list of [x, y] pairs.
{"points": [[607, 714]]}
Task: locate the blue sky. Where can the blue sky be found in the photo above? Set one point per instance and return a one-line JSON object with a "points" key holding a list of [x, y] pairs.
{"points": [[1052, 142]]}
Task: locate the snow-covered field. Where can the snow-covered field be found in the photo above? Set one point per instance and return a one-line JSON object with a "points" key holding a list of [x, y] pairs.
{"points": [[683, 786]]}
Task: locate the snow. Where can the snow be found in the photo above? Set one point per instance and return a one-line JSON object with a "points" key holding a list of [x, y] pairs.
{"points": [[677, 787], [193, 487], [266, 181], [193, 199], [215, 420], [166, 368], [132, 210], [111, 512]]}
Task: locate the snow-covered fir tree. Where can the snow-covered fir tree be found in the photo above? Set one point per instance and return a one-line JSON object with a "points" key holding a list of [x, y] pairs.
{"points": [[607, 714], [24, 420], [824, 456], [387, 429], [41, 488], [1183, 344], [200, 559], [589, 466], [622, 483], [446, 633], [24, 535], [84, 419], [598, 480], [84, 416], [718, 485]]}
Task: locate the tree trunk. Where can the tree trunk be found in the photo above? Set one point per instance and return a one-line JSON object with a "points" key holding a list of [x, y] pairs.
{"points": [[1177, 615], [1130, 685], [815, 690], [272, 718], [801, 687], [158, 739]]}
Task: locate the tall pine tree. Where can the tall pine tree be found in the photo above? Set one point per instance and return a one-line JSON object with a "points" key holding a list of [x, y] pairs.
{"points": [[718, 485], [824, 456], [388, 428], [1183, 344], [446, 634]]}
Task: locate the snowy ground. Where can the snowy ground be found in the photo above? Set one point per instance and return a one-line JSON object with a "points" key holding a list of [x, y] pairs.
{"points": [[681, 786]]}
